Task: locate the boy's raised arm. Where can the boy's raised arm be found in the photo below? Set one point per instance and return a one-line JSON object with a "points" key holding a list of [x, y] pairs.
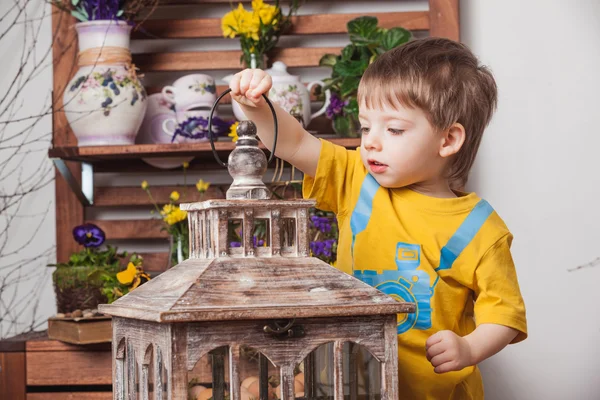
{"points": [[294, 144]]}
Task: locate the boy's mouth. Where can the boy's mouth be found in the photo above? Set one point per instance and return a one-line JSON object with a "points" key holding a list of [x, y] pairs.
{"points": [[377, 167]]}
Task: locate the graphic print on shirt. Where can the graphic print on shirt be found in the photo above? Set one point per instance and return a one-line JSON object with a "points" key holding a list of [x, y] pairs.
{"points": [[407, 283]]}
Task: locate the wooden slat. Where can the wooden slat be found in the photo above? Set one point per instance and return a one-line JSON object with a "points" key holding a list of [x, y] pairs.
{"points": [[12, 376], [155, 262], [69, 368], [71, 396], [444, 19], [135, 196], [132, 228], [97, 153], [69, 211], [111, 196], [226, 59], [301, 25], [45, 344]]}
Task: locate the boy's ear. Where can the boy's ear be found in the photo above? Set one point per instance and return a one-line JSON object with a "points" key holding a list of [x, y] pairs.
{"points": [[452, 140]]}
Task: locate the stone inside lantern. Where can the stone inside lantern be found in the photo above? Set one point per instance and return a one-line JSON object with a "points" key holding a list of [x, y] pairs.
{"points": [[203, 328]]}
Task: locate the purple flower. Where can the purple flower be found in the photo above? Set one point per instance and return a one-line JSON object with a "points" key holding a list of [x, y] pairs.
{"points": [[322, 247], [102, 9], [256, 242], [89, 235], [335, 107], [322, 224]]}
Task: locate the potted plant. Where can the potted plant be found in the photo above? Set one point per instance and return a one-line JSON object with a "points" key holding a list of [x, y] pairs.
{"points": [[367, 42], [104, 102], [93, 276], [258, 29]]}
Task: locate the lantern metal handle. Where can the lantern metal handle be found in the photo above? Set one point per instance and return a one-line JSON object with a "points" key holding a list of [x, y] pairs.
{"points": [[210, 135]]}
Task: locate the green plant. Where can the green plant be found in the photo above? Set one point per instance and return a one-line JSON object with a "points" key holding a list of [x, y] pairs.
{"points": [[367, 42], [93, 276]]}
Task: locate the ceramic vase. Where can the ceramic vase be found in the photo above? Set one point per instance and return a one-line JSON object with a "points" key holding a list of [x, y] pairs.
{"points": [[105, 101]]}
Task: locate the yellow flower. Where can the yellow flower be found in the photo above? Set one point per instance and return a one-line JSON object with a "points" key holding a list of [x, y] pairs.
{"points": [[144, 185], [202, 186], [265, 12], [174, 196], [233, 132], [185, 165], [172, 214], [131, 276], [234, 22], [126, 277]]}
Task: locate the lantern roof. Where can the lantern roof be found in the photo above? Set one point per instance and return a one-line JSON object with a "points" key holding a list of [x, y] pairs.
{"points": [[228, 288]]}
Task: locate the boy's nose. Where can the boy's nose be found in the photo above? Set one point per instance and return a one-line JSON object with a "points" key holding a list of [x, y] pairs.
{"points": [[372, 141]]}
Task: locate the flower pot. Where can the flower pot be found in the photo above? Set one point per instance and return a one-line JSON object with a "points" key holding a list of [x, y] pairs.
{"points": [[105, 101], [75, 291]]}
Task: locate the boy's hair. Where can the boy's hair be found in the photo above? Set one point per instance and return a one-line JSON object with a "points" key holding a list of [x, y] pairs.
{"points": [[444, 79]]}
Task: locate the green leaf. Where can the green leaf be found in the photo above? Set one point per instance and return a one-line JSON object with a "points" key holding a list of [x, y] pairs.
{"points": [[352, 107], [80, 16], [362, 27], [74, 2], [350, 68], [328, 60], [120, 13], [349, 86], [348, 52], [395, 37]]}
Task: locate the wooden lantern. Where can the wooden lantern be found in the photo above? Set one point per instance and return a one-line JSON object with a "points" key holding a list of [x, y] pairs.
{"points": [[272, 298]]}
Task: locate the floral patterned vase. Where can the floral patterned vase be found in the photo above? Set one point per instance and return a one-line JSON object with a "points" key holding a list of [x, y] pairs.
{"points": [[105, 101]]}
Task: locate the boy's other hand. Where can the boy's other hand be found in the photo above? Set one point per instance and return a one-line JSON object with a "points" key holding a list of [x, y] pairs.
{"points": [[447, 351], [248, 86]]}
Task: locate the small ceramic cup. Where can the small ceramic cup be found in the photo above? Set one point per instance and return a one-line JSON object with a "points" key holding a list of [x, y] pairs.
{"points": [[191, 92], [171, 124]]}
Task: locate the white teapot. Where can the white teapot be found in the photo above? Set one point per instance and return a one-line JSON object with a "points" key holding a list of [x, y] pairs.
{"points": [[289, 93]]}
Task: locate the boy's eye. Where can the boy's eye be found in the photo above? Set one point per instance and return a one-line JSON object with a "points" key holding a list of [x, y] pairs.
{"points": [[363, 130], [396, 131]]}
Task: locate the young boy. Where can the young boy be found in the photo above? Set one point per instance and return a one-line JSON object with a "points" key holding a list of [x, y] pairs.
{"points": [[403, 227]]}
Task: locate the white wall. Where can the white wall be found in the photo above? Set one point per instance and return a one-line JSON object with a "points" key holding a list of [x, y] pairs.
{"points": [[30, 239], [538, 166]]}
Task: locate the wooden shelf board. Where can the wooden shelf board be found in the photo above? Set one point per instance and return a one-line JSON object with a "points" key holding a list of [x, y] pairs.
{"points": [[93, 154], [192, 28]]}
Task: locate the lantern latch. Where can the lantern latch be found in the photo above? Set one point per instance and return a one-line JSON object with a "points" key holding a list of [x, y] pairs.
{"points": [[284, 329]]}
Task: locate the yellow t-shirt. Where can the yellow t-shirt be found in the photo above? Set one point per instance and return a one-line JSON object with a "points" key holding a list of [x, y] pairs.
{"points": [[450, 256]]}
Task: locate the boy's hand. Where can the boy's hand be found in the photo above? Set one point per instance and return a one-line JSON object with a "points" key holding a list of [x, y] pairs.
{"points": [[248, 86], [447, 351]]}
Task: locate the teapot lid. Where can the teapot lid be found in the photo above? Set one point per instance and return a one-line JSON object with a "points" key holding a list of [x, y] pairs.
{"points": [[280, 75]]}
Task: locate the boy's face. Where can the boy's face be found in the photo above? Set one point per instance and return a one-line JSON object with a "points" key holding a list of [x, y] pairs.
{"points": [[399, 147]]}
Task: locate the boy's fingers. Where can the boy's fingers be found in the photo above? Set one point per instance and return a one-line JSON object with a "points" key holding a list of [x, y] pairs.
{"points": [[446, 367], [262, 87], [433, 339], [245, 81], [234, 85], [435, 350], [440, 359], [256, 78]]}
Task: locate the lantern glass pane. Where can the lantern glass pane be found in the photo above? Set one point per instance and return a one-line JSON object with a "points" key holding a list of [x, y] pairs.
{"points": [[250, 374], [210, 372]]}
